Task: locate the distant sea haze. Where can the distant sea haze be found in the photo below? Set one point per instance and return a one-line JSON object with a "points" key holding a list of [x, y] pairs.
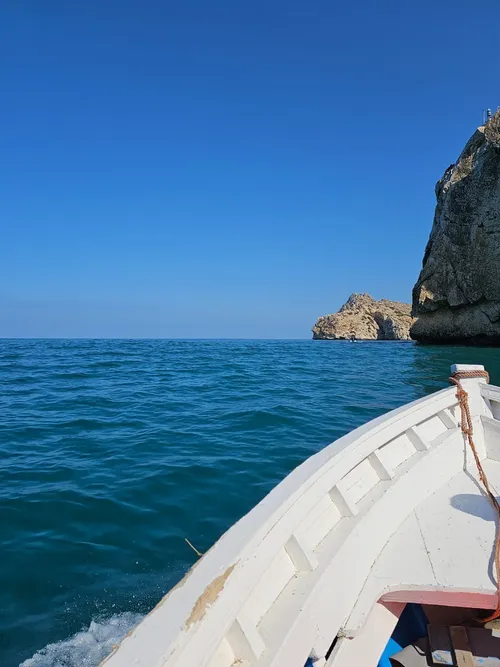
{"points": [[114, 451]]}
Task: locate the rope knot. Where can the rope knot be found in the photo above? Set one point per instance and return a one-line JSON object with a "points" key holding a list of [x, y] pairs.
{"points": [[465, 375]]}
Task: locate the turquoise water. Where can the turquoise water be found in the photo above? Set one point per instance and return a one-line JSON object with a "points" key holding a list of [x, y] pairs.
{"points": [[112, 452]]}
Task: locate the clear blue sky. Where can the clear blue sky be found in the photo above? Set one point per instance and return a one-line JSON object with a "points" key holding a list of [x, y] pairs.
{"points": [[225, 168]]}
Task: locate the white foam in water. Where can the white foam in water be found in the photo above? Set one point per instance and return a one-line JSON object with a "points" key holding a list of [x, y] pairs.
{"points": [[88, 647]]}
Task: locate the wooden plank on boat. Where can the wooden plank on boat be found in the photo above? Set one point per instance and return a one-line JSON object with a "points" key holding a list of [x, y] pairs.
{"points": [[245, 640], [419, 443], [300, 555], [461, 647], [490, 392], [484, 647], [379, 466], [448, 420], [340, 498], [440, 645]]}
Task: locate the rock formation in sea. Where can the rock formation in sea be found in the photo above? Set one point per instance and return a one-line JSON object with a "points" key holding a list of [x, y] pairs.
{"points": [[457, 295], [366, 319]]}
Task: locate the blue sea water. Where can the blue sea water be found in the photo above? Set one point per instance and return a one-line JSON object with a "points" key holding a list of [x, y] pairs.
{"points": [[114, 451]]}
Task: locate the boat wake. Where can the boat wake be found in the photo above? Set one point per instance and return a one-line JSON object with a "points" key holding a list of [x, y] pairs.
{"points": [[87, 647]]}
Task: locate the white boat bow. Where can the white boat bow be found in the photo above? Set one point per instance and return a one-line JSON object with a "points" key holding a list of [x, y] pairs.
{"points": [[322, 568]]}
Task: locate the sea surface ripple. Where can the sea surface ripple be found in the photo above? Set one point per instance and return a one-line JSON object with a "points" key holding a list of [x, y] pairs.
{"points": [[113, 451]]}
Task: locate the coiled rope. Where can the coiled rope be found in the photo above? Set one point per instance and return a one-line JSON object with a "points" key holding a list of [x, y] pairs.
{"points": [[467, 430]]}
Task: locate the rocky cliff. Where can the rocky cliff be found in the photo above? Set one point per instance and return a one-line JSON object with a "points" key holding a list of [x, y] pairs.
{"points": [[457, 295], [367, 319]]}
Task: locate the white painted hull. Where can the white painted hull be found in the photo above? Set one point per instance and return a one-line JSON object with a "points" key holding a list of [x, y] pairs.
{"points": [[323, 566]]}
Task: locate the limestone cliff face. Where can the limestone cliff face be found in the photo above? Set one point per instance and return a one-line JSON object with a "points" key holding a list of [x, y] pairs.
{"points": [[367, 319], [457, 295]]}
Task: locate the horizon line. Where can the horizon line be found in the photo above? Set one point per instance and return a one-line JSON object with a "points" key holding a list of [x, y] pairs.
{"points": [[140, 338]]}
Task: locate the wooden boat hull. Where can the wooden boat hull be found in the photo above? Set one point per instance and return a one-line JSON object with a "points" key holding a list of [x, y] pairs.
{"points": [[322, 568]]}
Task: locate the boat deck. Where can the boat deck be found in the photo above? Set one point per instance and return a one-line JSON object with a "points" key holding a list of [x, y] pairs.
{"points": [[447, 542], [442, 554]]}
